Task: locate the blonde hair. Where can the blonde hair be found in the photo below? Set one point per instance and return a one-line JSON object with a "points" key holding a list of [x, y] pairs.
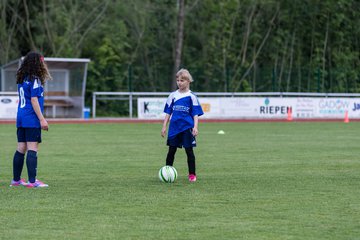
{"points": [[185, 74]]}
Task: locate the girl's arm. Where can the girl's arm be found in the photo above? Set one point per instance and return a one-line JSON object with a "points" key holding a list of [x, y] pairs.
{"points": [[195, 131], [36, 106], [166, 120]]}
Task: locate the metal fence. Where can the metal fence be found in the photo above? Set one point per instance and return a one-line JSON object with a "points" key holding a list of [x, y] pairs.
{"points": [[130, 97]]}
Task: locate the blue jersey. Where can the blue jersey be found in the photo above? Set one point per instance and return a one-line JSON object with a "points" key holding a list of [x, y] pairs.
{"points": [[182, 107], [26, 116]]}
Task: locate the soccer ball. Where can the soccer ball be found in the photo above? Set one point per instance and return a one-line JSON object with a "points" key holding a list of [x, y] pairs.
{"points": [[167, 174]]}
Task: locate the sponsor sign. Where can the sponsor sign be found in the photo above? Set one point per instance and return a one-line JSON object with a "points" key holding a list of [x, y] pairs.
{"points": [[260, 107], [8, 106], [151, 108]]}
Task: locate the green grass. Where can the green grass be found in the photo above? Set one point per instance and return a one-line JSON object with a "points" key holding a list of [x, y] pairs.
{"points": [[258, 181]]}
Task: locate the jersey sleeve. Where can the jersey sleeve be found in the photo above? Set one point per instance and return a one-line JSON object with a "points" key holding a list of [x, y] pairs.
{"points": [[169, 105], [196, 107], [36, 88]]}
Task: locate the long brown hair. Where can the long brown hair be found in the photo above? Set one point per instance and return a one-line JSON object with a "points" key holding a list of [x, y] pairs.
{"points": [[33, 66]]}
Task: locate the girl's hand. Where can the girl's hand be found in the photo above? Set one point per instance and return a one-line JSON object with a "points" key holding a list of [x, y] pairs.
{"points": [[166, 120], [44, 124], [195, 132], [163, 132]]}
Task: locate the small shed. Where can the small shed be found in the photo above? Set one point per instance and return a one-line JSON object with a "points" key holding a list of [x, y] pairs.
{"points": [[64, 94]]}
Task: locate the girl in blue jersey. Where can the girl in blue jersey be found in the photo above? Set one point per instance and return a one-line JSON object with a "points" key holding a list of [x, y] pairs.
{"points": [[182, 108], [30, 79]]}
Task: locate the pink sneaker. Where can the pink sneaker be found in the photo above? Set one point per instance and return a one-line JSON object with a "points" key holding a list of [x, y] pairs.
{"points": [[21, 182], [192, 177], [36, 184]]}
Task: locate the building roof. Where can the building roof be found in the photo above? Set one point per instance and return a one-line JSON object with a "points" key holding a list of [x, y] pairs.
{"points": [[51, 62]]}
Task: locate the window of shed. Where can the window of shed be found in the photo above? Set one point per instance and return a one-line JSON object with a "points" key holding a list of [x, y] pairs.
{"points": [[59, 82]]}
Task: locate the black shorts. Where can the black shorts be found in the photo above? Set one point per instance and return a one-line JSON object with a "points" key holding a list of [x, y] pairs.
{"points": [[29, 134], [184, 139]]}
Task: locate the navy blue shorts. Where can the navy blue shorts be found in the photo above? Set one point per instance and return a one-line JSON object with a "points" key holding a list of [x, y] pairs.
{"points": [[184, 139], [29, 134]]}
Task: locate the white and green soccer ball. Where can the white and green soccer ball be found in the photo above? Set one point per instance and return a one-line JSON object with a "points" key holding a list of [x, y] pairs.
{"points": [[167, 174]]}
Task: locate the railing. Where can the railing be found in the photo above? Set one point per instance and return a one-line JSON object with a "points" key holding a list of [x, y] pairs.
{"points": [[130, 96], [8, 93]]}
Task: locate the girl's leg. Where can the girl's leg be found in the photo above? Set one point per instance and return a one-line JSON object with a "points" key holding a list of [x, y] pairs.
{"points": [[171, 156], [31, 160], [18, 161], [191, 160]]}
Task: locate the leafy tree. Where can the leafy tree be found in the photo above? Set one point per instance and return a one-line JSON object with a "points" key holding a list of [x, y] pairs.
{"points": [[228, 45]]}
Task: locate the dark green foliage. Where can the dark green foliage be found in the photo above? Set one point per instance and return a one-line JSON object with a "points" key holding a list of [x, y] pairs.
{"points": [[232, 45]]}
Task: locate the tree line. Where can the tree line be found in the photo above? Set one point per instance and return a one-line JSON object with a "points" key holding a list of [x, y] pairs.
{"points": [[228, 45]]}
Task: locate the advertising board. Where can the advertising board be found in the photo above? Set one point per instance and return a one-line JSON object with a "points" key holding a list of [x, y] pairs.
{"points": [[260, 107]]}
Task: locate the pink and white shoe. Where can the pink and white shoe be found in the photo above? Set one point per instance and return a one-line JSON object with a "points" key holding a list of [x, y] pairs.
{"points": [[36, 184], [192, 177], [21, 182]]}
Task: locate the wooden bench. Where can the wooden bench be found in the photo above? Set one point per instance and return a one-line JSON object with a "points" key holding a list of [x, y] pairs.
{"points": [[56, 100]]}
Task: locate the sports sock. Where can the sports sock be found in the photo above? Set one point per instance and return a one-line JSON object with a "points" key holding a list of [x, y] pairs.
{"points": [[171, 156], [191, 160], [31, 163], [18, 163]]}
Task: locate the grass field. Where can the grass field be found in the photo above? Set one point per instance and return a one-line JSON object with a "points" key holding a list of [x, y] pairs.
{"points": [[258, 181]]}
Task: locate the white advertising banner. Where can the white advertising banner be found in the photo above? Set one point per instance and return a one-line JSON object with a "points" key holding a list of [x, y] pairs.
{"points": [[260, 107], [8, 106], [251, 107], [151, 108]]}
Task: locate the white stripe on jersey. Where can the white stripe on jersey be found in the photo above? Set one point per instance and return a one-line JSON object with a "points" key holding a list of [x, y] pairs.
{"points": [[178, 95], [36, 84]]}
